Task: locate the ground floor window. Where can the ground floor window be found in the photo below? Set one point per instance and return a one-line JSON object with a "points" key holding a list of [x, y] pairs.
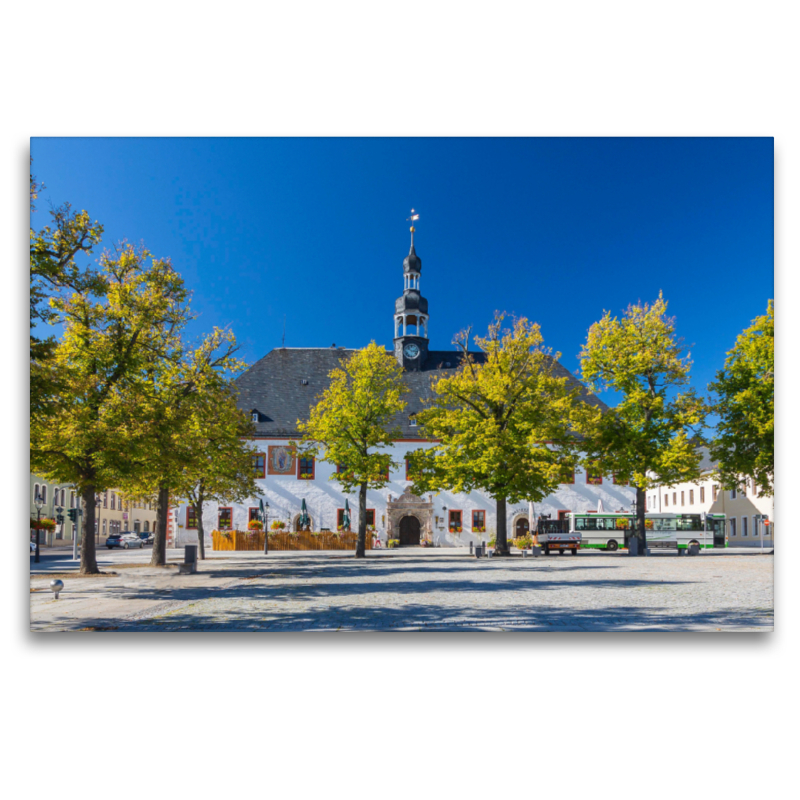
{"points": [[371, 518], [253, 514], [744, 526], [479, 521], [454, 521], [147, 526], [225, 519], [191, 518], [732, 522], [340, 520]]}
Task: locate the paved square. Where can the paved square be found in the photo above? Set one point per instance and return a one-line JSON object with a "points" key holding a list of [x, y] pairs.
{"points": [[422, 590]]}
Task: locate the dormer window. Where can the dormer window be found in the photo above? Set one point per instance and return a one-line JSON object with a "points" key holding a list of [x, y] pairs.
{"points": [[254, 416], [412, 420]]}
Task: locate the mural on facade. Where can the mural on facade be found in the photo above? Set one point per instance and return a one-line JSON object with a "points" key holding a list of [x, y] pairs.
{"points": [[281, 460]]}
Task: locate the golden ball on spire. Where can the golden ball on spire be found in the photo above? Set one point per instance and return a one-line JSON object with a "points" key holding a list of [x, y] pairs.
{"points": [[412, 229]]}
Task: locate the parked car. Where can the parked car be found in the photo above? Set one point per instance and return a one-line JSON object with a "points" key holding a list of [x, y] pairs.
{"points": [[123, 540], [33, 548], [145, 536]]}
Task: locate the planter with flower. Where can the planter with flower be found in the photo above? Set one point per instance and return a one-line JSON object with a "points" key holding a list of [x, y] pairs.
{"points": [[43, 524], [479, 529], [622, 524], [277, 525], [255, 526], [394, 543], [648, 524], [523, 542], [455, 529]]}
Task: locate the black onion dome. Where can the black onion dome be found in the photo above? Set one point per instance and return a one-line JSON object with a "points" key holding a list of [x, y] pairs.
{"points": [[411, 301], [412, 262]]}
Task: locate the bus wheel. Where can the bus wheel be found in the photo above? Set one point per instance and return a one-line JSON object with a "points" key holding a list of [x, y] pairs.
{"points": [[575, 551], [612, 546], [561, 552]]}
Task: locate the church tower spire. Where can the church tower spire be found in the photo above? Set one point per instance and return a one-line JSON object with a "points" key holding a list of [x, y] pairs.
{"points": [[411, 312]]}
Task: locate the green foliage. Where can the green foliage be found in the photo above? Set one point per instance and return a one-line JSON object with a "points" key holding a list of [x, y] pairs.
{"points": [[503, 426], [652, 429], [55, 272], [744, 445]]}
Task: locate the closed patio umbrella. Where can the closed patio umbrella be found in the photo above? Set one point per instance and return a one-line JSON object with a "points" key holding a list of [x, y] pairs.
{"points": [[346, 515], [304, 520]]}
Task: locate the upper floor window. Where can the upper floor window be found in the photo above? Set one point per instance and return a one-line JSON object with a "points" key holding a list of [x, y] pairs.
{"points": [[714, 489], [733, 494], [259, 465], [666, 500], [105, 499], [567, 476], [674, 498], [619, 481], [595, 479], [113, 501], [691, 497], [683, 495], [702, 494], [305, 468]]}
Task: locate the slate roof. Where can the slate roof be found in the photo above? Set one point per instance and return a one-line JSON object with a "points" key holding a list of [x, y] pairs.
{"points": [[284, 384]]}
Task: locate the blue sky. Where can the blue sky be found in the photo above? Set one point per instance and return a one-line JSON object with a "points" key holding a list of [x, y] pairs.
{"points": [[555, 229]]}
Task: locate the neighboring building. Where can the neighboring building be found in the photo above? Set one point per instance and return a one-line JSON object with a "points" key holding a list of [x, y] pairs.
{"points": [[283, 386], [744, 510], [113, 514]]}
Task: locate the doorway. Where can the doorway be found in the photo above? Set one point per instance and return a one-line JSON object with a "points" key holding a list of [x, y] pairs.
{"points": [[521, 528], [409, 531]]}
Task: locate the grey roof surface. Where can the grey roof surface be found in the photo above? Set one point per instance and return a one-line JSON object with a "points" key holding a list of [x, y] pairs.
{"points": [[274, 386]]}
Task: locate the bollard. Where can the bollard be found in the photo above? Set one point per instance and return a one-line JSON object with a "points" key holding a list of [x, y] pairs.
{"points": [[470, 548], [56, 586]]}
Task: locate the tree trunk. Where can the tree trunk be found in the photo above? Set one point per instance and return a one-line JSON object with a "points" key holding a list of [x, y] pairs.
{"points": [[641, 535], [501, 539], [361, 547], [159, 557], [201, 537], [88, 549]]}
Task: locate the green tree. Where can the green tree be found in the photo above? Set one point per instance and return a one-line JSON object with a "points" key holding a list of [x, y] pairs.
{"points": [[218, 462], [744, 445], [649, 438], [351, 423], [501, 424], [82, 435], [54, 272], [180, 384]]}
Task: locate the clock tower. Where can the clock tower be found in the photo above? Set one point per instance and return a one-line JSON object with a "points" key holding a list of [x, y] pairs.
{"points": [[411, 313]]}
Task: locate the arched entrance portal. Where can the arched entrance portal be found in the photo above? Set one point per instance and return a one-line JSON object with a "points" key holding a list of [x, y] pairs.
{"points": [[409, 530], [521, 528]]}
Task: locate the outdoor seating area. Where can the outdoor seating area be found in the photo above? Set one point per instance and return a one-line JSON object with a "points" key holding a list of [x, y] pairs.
{"points": [[286, 540]]}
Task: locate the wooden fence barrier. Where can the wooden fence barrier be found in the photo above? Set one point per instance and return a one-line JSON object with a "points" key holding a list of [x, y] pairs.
{"points": [[304, 540]]}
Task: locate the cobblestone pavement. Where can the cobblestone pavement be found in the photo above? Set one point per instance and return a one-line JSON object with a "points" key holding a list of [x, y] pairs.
{"points": [[443, 591]]}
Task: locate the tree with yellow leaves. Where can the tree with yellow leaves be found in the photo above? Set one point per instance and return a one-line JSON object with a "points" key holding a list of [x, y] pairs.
{"points": [[502, 424], [351, 423], [650, 437]]}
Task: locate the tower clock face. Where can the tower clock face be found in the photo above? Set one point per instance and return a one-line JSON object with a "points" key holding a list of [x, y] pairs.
{"points": [[411, 350]]}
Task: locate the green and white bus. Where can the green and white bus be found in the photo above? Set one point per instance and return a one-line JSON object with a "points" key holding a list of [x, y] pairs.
{"points": [[612, 531]]}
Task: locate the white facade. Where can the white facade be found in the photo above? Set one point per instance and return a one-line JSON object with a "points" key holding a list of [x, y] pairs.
{"points": [[324, 498], [744, 510]]}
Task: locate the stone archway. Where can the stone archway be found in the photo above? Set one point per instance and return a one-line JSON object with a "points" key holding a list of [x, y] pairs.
{"points": [[521, 527], [296, 522], [409, 505]]}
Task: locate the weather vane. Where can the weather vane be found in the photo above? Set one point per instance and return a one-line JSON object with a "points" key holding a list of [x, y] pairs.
{"points": [[412, 219]]}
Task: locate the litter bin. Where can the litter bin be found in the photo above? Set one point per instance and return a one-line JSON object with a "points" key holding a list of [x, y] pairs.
{"points": [[633, 546]]}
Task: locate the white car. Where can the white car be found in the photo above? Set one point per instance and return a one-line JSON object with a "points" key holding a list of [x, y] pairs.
{"points": [[33, 549]]}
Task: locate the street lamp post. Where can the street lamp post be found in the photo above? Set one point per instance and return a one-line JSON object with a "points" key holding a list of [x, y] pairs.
{"points": [[38, 502], [265, 520]]}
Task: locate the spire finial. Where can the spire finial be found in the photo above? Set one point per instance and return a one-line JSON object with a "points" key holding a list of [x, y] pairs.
{"points": [[412, 219]]}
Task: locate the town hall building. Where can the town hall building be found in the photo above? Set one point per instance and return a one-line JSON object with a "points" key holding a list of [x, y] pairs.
{"points": [[280, 389]]}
